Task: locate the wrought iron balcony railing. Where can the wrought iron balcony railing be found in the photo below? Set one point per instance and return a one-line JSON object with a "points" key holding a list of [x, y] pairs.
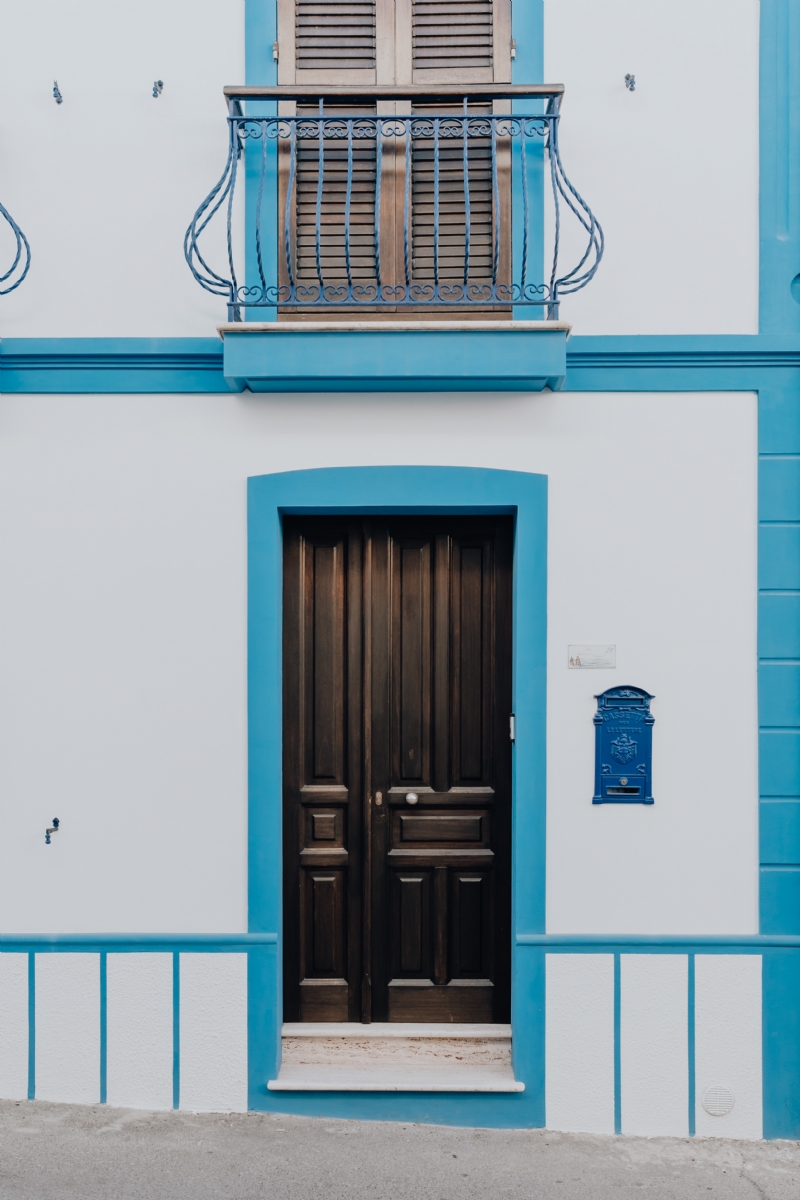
{"points": [[437, 205], [13, 277]]}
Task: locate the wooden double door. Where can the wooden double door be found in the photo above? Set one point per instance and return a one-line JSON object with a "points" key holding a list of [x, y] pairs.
{"points": [[397, 768]]}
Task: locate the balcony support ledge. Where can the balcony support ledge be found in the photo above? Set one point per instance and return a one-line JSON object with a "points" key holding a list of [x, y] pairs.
{"points": [[395, 356]]}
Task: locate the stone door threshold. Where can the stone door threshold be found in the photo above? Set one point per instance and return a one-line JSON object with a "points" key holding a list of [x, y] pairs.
{"points": [[344, 1057]]}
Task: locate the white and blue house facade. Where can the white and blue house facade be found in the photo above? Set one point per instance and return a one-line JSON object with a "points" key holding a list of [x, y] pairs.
{"points": [[642, 432]]}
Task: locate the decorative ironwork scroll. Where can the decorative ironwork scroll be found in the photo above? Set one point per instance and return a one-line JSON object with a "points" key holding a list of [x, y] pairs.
{"points": [[465, 190], [13, 277]]}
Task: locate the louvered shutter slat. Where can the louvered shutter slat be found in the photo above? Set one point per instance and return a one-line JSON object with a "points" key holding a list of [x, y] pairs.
{"points": [[452, 207], [334, 36], [334, 195], [452, 34]]}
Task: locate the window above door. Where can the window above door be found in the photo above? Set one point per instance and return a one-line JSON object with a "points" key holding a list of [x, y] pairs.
{"points": [[394, 41], [396, 178]]}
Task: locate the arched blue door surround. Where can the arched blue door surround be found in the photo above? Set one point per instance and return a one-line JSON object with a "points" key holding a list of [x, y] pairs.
{"points": [[454, 490]]}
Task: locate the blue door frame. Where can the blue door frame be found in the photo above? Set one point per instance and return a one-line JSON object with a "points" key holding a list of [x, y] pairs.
{"points": [[383, 490]]}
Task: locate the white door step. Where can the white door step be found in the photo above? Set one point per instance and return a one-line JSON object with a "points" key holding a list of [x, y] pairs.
{"points": [[348, 1057], [393, 1029], [297, 1077]]}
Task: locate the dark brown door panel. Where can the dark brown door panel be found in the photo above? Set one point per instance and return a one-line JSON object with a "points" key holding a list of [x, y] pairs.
{"points": [[397, 786]]}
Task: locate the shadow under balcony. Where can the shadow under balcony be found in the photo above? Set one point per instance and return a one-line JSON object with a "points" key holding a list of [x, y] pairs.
{"points": [[393, 239]]}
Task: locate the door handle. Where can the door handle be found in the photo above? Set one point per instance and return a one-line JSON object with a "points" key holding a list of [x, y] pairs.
{"points": [[412, 798]]}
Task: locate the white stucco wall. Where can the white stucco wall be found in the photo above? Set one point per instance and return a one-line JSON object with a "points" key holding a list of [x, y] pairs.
{"points": [[105, 184], [123, 641], [671, 169]]}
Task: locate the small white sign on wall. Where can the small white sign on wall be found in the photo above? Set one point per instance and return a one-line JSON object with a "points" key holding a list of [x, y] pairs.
{"points": [[592, 658]]}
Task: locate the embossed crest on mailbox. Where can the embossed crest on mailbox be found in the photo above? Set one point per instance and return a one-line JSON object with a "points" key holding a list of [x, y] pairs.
{"points": [[623, 770]]}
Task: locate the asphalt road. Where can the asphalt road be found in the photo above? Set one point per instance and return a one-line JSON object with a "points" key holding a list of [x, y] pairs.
{"points": [[66, 1152]]}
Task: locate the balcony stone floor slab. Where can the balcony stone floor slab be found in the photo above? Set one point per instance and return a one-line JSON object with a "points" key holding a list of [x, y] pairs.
{"points": [[395, 356]]}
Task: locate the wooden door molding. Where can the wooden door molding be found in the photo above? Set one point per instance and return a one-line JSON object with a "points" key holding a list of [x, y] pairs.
{"points": [[441, 698], [322, 770]]}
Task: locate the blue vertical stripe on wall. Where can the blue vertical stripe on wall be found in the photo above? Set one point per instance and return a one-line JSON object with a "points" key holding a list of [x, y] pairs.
{"points": [[103, 1026], [780, 832], [261, 30], [617, 1043], [779, 564], [779, 556], [779, 311], [781, 1043], [779, 694], [31, 1025], [779, 488], [690, 1042], [176, 1030], [527, 29]]}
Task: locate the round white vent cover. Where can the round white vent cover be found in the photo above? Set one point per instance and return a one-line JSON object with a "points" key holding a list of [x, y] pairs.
{"points": [[717, 1100]]}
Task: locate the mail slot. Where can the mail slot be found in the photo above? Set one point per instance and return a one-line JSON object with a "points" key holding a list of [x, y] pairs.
{"points": [[623, 747]]}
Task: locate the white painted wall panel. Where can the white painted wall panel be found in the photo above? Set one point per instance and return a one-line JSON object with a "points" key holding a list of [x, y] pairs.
{"points": [[68, 1028], [13, 1026], [124, 647], [139, 1030], [671, 169], [654, 1044], [579, 1064], [213, 1023], [108, 184], [728, 1041]]}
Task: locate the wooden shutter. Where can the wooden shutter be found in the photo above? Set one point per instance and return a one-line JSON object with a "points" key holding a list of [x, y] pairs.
{"points": [[452, 35], [327, 41], [330, 35], [460, 41], [394, 41], [334, 184], [452, 205], [363, 42]]}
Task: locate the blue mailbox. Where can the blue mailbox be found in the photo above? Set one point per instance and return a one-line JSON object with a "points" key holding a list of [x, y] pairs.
{"points": [[623, 748]]}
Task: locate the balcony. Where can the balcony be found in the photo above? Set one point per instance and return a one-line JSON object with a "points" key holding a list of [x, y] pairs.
{"points": [[13, 276], [375, 212]]}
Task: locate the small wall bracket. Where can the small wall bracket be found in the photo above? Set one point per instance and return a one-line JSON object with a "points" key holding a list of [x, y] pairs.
{"points": [[53, 829]]}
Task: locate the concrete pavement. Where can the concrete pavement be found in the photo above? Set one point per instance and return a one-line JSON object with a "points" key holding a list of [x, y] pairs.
{"points": [[67, 1152]]}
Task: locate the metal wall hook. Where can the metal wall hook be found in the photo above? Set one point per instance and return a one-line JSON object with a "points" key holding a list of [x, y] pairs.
{"points": [[158, 87], [47, 832], [630, 83], [59, 99]]}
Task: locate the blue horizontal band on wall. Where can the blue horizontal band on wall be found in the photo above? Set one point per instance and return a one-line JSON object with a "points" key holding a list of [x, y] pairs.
{"points": [[42, 943], [668, 944], [99, 365], [632, 363]]}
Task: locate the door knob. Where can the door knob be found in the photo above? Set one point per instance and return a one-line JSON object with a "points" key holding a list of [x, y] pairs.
{"points": [[412, 798]]}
